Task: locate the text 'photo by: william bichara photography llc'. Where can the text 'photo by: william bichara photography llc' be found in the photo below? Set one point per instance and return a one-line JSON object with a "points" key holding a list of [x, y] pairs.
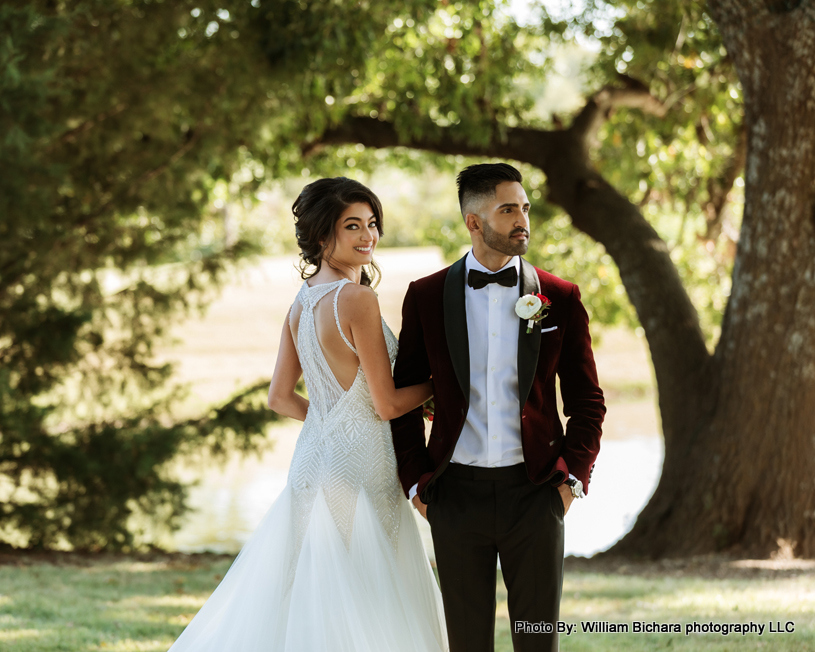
{"points": [[645, 627]]}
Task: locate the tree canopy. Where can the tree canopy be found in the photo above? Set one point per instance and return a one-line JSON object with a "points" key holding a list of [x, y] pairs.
{"points": [[114, 133], [120, 118]]}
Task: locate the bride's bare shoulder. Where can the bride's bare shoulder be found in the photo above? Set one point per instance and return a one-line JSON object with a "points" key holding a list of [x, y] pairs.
{"points": [[358, 300]]}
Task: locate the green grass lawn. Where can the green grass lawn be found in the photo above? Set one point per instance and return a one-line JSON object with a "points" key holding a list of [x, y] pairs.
{"points": [[130, 603]]}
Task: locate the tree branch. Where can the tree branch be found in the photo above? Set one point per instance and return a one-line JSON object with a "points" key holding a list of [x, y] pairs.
{"points": [[665, 311], [600, 106], [372, 132], [719, 188]]}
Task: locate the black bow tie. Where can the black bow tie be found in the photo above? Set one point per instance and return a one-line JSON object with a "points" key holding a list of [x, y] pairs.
{"points": [[477, 280]]}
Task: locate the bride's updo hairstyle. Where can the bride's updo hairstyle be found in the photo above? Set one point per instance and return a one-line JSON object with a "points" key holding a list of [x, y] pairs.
{"points": [[316, 212]]}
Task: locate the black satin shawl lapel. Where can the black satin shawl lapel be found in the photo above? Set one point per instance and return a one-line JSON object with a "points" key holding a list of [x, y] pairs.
{"points": [[528, 343], [455, 325]]}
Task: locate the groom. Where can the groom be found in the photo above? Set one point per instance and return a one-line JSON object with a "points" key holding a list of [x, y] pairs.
{"points": [[498, 473]]}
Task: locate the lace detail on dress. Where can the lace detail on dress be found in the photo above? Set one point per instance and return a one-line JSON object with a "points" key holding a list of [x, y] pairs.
{"points": [[344, 445]]}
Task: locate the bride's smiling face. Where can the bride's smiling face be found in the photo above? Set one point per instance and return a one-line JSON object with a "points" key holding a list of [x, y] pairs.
{"points": [[356, 234]]}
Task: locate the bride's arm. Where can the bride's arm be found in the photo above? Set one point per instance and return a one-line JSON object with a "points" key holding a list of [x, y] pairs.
{"points": [[282, 397], [366, 329]]}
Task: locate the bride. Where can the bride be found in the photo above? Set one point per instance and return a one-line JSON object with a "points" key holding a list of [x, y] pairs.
{"points": [[337, 563]]}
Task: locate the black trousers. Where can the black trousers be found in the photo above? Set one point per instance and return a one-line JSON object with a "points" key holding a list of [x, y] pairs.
{"points": [[478, 515]]}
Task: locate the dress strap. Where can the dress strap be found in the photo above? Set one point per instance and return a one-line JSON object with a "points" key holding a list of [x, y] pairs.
{"points": [[302, 295], [337, 316]]}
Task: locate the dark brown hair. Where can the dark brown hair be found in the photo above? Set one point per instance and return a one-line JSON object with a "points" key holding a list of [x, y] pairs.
{"points": [[317, 210], [479, 181]]}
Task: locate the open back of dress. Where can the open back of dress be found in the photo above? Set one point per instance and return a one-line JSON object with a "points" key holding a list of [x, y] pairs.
{"points": [[337, 564], [324, 388]]}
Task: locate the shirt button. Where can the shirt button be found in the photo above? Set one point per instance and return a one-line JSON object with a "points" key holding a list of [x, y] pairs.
{"points": [[494, 334], [492, 368], [495, 436], [495, 300], [492, 402]]}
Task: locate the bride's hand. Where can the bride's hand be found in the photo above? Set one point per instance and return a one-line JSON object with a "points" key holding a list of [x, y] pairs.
{"points": [[422, 507]]}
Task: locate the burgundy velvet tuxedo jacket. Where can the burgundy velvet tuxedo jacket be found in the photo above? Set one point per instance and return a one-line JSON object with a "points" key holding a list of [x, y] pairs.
{"points": [[433, 342]]}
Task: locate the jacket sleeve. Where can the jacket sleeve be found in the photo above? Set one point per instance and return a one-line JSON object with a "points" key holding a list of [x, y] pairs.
{"points": [[583, 402], [411, 368]]}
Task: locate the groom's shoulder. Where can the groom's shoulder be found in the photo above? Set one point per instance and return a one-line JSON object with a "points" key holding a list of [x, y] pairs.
{"points": [[433, 279], [431, 282], [554, 284]]}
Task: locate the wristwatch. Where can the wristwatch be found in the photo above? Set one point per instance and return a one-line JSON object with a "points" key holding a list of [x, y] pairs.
{"points": [[576, 486]]}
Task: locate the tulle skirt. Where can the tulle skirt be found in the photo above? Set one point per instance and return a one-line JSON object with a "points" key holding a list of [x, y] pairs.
{"points": [[321, 595]]}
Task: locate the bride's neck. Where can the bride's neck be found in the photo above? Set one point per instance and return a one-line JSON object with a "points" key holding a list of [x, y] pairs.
{"points": [[329, 273]]}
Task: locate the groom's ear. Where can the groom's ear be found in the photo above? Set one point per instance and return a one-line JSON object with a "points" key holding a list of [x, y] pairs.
{"points": [[473, 222]]}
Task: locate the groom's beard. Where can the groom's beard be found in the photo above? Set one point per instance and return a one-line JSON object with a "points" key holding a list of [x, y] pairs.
{"points": [[504, 243]]}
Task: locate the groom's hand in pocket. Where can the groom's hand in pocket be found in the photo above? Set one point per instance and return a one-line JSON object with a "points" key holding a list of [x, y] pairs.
{"points": [[566, 496], [419, 505]]}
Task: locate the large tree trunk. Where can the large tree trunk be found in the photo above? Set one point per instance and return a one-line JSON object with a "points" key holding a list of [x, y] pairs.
{"points": [[744, 477], [739, 468]]}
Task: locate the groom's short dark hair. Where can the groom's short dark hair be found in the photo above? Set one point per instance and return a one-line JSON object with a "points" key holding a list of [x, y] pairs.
{"points": [[478, 182]]}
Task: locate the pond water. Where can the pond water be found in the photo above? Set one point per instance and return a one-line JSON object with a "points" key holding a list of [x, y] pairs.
{"points": [[230, 502]]}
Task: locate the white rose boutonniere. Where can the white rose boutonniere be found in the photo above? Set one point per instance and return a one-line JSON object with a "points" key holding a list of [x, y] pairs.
{"points": [[533, 308]]}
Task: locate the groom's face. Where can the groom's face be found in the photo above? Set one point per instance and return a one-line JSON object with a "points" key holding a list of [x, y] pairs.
{"points": [[505, 219]]}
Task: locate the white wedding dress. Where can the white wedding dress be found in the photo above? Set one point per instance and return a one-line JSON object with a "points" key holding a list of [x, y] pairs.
{"points": [[337, 563]]}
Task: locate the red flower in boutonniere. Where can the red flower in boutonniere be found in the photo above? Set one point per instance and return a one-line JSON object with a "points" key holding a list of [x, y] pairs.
{"points": [[532, 307], [429, 409]]}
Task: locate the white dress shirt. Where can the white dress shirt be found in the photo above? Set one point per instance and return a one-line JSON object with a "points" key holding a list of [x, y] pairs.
{"points": [[491, 435]]}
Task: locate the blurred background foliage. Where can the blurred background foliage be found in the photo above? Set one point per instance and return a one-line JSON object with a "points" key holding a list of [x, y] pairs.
{"points": [[148, 147]]}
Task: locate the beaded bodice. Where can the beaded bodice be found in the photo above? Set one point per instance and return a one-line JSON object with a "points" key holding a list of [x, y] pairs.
{"points": [[344, 446]]}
